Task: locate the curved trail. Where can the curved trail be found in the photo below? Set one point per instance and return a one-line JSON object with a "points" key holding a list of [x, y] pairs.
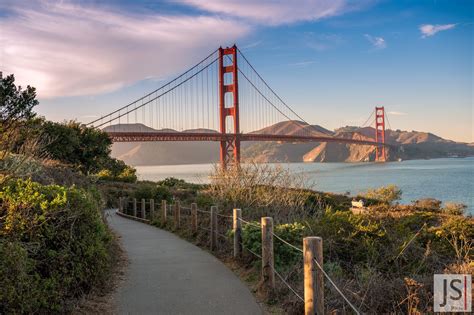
{"points": [[168, 275]]}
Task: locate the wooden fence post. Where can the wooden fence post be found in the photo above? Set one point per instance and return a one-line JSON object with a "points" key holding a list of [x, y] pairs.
{"points": [[177, 214], [194, 217], [213, 227], [143, 209], [268, 274], [120, 206], [152, 209], [163, 210], [313, 277], [237, 226], [134, 207]]}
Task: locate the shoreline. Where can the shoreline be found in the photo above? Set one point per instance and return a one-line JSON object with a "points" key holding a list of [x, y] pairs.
{"points": [[444, 179]]}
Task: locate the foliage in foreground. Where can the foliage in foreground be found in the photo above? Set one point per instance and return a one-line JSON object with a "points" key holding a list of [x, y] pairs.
{"points": [[53, 243], [384, 260], [25, 137]]}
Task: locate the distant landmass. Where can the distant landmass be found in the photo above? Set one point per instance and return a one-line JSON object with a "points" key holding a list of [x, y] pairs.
{"points": [[406, 145]]}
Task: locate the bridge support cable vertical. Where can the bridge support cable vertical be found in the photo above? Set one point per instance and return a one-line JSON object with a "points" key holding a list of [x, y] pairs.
{"points": [[230, 146], [272, 98], [380, 154], [163, 96]]}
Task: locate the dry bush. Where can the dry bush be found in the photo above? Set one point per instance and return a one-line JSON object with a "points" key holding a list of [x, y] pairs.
{"points": [[22, 152], [18, 164], [454, 208], [269, 189]]}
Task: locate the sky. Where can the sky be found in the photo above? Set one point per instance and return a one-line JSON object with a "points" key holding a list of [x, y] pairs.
{"points": [[333, 61]]}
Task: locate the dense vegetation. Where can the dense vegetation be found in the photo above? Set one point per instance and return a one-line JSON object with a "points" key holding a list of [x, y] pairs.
{"points": [[383, 259], [54, 243]]}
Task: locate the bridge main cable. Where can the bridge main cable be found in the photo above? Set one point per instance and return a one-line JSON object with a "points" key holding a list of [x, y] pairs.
{"points": [[154, 91], [156, 97], [268, 86]]}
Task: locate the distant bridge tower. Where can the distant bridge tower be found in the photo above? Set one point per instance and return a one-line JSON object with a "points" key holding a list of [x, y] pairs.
{"points": [[230, 146], [380, 155]]}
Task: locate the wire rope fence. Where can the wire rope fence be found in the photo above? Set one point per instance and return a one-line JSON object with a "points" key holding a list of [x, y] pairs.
{"points": [[222, 231]]}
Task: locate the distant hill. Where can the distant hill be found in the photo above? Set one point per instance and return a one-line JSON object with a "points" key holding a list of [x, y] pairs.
{"points": [[292, 127], [407, 145], [163, 153]]}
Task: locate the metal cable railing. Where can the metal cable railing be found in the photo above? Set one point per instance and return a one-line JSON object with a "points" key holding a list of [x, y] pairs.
{"points": [[283, 280], [225, 216], [273, 269]]}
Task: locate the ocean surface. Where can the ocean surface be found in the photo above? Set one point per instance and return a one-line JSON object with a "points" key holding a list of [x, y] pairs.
{"points": [[449, 179]]}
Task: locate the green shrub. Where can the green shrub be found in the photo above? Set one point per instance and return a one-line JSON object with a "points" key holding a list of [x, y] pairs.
{"points": [[53, 243], [427, 204], [204, 200], [348, 237], [173, 182], [387, 194], [285, 256], [456, 236], [152, 191], [126, 175]]}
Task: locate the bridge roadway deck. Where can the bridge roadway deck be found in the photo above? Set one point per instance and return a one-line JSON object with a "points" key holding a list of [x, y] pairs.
{"points": [[202, 136], [167, 275]]}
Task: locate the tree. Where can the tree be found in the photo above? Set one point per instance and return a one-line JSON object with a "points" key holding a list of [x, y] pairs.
{"points": [[16, 110], [23, 135], [16, 105], [86, 148]]}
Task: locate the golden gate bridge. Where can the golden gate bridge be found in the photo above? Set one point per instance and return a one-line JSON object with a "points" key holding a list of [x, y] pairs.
{"points": [[222, 98]]}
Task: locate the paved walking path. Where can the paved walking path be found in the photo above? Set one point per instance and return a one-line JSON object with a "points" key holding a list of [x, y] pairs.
{"points": [[168, 275]]}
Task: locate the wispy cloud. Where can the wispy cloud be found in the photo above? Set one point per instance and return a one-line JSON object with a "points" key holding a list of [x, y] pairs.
{"points": [[276, 12], [377, 42], [394, 113], [65, 49], [430, 29], [251, 45], [302, 63]]}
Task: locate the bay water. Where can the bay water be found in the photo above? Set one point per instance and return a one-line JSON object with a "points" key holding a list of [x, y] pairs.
{"points": [[450, 179]]}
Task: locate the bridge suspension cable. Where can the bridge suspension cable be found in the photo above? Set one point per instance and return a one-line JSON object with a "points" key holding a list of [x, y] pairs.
{"points": [[208, 102], [190, 92], [273, 92], [173, 84]]}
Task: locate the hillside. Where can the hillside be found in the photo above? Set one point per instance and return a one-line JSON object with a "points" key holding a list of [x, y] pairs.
{"points": [[407, 145]]}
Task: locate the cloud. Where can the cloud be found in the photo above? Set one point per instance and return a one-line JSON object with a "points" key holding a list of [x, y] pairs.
{"points": [[394, 113], [377, 42], [430, 30], [302, 63], [250, 45], [66, 50], [276, 12]]}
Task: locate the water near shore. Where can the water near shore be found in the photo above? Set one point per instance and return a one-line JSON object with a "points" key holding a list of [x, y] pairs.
{"points": [[443, 179]]}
